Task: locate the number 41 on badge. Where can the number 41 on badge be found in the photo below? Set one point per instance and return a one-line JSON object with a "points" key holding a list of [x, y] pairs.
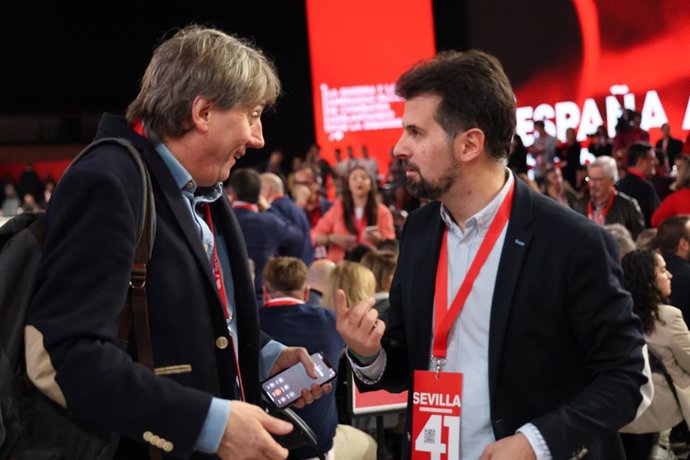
{"points": [[436, 408]]}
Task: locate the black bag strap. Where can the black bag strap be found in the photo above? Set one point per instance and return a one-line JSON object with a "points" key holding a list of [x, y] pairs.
{"points": [[657, 366], [135, 311]]}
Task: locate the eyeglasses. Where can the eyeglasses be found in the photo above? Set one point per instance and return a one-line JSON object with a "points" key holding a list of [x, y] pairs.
{"points": [[597, 179]]}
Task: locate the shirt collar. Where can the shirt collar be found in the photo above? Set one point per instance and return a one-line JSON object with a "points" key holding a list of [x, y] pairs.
{"points": [[182, 177], [482, 219]]}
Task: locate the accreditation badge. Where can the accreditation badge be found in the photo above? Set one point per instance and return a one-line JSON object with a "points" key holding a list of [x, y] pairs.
{"points": [[436, 408]]}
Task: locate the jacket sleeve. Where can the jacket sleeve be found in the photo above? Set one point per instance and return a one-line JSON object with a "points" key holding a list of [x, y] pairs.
{"points": [[291, 236], [82, 284], [326, 223], [385, 223], [610, 337], [680, 341]]}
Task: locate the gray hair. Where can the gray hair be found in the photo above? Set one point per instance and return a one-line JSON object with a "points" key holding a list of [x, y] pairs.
{"points": [[622, 236], [199, 61], [608, 165]]}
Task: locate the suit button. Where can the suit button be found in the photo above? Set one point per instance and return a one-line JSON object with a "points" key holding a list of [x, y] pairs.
{"points": [[161, 442], [147, 436], [154, 440], [168, 446], [222, 343]]}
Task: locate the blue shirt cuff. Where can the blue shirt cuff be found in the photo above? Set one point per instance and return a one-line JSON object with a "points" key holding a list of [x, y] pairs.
{"points": [[214, 426], [269, 356]]}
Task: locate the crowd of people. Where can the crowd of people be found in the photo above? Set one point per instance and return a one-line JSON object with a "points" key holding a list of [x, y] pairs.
{"points": [[254, 269]]}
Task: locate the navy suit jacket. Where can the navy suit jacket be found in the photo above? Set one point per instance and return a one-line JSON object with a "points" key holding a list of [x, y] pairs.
{"points": [[288, 209], [83, 283], [565, 348], [680, 283], [268, 234], [644, 193], [313, 327]]}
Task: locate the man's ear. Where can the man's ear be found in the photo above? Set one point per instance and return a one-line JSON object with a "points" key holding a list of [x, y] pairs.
{"points": [[201, 112], [468, 145]]}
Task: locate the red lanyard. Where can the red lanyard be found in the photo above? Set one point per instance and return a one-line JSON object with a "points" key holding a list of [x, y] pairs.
{"points": [[217, 272], [218, 275], [361, 224], [590, 212], [282, 302], [637, 172], [249, 206], [444, 317]]}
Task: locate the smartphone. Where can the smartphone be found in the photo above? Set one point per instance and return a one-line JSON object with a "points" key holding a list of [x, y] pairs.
{"points": [[286, 387]]}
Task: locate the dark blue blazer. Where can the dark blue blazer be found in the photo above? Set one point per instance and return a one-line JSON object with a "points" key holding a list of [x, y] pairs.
{"points": [[83, 283], [565, 348], [288, 209], [268, 234], [313, 327]]}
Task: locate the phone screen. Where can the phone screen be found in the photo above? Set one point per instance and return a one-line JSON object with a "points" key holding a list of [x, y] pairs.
{"points": [[286, 387]]}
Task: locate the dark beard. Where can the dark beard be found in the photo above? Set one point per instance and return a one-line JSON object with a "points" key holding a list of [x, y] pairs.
{"points": [[425, 189]]}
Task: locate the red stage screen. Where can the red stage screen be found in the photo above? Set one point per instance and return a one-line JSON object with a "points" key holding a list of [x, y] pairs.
{"points": [[358, 50], [578, 63]]}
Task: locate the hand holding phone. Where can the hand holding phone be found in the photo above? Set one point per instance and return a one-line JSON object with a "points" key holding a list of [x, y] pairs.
{"points": [[286, 387]]}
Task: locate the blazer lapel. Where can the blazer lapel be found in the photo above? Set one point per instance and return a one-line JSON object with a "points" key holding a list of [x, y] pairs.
{"points": [[515, 247], [424, 280], [179, 209]]}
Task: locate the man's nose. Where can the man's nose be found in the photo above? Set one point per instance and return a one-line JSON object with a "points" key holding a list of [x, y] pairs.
{"points": [[256, 141]]}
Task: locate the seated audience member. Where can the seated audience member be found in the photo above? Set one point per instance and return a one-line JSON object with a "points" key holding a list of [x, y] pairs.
{"points": [[319, 279], [306, 193], [286, 317], [558, 189], [569, 153], [666, 333], [677, 202], [355, 280], [273, 190], [382, 265], [623, 238], [391, 246], [359, 251], [267, 232], [646, 239], [636, 184], [355, 218], [673, 242], [605, 204]]}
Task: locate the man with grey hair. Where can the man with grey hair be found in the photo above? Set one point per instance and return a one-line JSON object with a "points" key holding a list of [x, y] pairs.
{"points": [[198, 112], [605, 205]]}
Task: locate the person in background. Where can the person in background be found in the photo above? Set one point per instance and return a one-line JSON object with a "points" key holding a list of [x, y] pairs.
{"points": [[606, 205], [645, 276], [669, 145], [197, 112], [600, 142], [273, 191], [677, 202], [382, 265], [305, 193], [673, 242], [622, 237], [641, 166], [355, 280], [319, 279], [646, 239], [517, 160], [569, 154], [355, 218], [267, 231], [556, 188]]}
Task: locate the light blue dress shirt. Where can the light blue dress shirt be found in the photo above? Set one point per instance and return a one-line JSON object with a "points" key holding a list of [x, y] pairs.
{"points": [[219, 410], [468, 341]]}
